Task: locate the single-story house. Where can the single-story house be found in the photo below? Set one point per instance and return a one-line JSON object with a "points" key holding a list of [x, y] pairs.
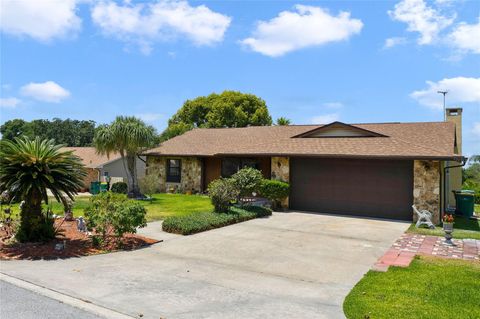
{"points": [[374, 169], [100, 166]]}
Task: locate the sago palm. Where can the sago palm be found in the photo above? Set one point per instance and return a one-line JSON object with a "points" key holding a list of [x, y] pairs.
{"points": [[128, 136], [30, 167]]}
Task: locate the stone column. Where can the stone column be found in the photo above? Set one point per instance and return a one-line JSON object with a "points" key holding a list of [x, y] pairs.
{"points": [[426, 188], [280, 169]]}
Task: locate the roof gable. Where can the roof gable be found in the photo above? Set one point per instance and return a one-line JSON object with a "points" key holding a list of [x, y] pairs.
{"points": [[338, 129]]}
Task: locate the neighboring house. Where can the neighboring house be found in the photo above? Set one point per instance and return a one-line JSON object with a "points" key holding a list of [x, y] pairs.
{"points": [[377, 169], [99, 166]]}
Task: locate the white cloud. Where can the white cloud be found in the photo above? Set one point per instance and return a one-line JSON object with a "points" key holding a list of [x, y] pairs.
{"points": [[10, 102], [307, 26], [150, 117], [476, 129], [47, 91], [333, 105], [460, 90], [326, 118], [146, 23], [421, 18], [391, 42], [466, 37], [40, 20]]}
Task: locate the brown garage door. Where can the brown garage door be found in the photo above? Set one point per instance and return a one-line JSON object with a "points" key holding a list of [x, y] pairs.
{"points": [[375, 188]]}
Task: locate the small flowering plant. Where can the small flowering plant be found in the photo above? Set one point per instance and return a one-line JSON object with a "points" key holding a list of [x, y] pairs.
{"points": [[448, 219]]}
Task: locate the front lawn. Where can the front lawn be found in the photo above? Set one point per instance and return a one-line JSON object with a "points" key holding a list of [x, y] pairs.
{"points": [[195, 223], [162, 205], [463, 228], [429, 288]]}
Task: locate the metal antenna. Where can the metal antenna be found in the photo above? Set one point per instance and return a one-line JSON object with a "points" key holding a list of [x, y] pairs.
{"points": [[444, 107]]}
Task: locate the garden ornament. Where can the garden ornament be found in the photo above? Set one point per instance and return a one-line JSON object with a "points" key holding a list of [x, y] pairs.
{"points": [[81, 226], [67, 207], [424, 218]]}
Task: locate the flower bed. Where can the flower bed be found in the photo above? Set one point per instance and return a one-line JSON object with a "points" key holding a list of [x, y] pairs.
{"points": [[76, 244], [198, 222]]}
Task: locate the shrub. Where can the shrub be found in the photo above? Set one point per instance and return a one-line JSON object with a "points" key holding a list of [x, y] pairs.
{"points": [[198, 222], [247, 180], [274, 190], [149, 184], [119, 188], [114, 213], [222, 192]]}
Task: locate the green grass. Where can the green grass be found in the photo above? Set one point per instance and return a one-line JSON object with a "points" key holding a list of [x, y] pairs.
{"points": [[428, 288], [195, 223], [162, 206], [463, 228]]}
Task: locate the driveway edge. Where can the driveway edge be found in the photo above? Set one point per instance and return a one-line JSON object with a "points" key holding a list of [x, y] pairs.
{"points": [[63, 298]]}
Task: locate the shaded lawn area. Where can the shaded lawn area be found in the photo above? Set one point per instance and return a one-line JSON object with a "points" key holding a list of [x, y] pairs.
{"points": [[463, 228], [429, 288], [162, 205]]}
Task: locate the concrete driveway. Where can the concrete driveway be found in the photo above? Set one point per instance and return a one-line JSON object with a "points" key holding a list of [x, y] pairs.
{"points": [[293, 264]]}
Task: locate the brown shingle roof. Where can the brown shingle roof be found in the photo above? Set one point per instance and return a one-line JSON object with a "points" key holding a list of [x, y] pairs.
{"points": [[409, 140], [89, 156]]}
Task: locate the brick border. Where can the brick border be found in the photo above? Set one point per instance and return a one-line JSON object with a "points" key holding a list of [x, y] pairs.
{"points": [[407, 246]]}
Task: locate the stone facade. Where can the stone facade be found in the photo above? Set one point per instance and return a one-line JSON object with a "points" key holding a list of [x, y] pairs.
{"points": [[191, 178], [280, 168], [426, 188]]}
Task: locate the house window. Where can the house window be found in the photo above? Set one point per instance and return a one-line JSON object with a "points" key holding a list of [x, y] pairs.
{"points": [[232, 165], [174, 168]]}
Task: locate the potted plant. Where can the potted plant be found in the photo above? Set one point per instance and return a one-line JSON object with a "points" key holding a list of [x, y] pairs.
{"points": [[448, 221]]}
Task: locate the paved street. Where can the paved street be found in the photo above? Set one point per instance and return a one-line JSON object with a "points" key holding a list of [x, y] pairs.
{"points": [[19, 303], [291, 265]]}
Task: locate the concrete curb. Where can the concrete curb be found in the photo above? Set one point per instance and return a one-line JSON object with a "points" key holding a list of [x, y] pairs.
{"points": [[66, 299]]}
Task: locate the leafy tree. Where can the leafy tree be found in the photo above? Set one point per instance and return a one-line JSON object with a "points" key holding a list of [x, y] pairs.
{"points": [[175, 129], [15, 128], [283, 121], [68, 132], [30, 167], [128, 136], [228, 109]]}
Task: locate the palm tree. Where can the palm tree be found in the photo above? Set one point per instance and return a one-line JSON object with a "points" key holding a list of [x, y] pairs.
{"points": [[30, 167], [128, 136], [283, 121]]}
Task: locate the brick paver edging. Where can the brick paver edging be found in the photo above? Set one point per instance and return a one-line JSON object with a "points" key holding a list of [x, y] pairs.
{"points": [[407, 246]]}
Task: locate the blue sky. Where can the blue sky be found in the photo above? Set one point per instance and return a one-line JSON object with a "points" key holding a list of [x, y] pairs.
{"points": [[378, 61]]}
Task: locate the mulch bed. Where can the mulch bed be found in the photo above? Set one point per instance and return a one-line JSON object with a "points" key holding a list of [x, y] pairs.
{"points": [[77, 244]]}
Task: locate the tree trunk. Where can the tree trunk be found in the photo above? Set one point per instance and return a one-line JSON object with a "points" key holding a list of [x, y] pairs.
{"points": [[127, 172], [33, 225], [132, 168]]}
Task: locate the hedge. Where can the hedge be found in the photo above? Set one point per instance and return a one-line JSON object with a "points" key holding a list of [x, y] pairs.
{"points": [[198, 222]]}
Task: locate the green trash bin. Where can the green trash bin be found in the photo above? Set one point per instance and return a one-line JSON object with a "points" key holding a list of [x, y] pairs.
{"points": [[465, 200], [94, 188], [103, 187]]}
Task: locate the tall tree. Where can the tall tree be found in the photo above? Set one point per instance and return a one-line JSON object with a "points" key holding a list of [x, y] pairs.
{"points": [[128, 136], [283, 121], [68, 132], [228, 109], [30, 167], [15, 128]]}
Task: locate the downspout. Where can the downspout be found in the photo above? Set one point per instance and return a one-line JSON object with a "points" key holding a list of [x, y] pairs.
{"points": [[464, 161]]}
